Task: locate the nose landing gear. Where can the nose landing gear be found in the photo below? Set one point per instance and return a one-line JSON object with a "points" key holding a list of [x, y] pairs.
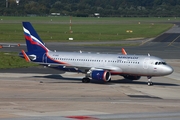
{"points": [[150, 83]]}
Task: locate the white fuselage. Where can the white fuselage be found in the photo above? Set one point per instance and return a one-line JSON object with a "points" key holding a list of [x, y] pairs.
{"points": [[115, 63]]}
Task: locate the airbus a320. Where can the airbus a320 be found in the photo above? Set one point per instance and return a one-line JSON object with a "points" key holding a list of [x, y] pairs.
{"points": [[99, 67]]}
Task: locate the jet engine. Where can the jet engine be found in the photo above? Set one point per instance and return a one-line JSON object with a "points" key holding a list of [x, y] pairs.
{"points": [[131, 77], [101, 75]]}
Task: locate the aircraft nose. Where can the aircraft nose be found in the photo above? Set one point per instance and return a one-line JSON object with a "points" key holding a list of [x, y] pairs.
{"points": [[168, 70]]}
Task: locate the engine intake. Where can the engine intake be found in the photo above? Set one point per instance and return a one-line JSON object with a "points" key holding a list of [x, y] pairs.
{"points": [[101, 75]]}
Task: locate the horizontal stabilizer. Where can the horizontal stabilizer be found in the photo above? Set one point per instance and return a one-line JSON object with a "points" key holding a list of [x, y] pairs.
{"points": [[25, 56]]}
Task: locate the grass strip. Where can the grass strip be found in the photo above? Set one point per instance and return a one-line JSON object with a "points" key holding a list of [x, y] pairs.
{"points": [[12, 60]]}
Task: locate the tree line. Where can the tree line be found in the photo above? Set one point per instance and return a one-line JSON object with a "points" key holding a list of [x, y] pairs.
{"points": [[85, 8]]}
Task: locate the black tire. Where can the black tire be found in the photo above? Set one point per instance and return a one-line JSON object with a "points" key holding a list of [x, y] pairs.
{"points": [[150, 83], [109, 80], [85, 80]]}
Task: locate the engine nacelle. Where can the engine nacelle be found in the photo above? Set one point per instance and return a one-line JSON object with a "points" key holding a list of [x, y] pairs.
{"points": [[131, 77], [101, 75]]}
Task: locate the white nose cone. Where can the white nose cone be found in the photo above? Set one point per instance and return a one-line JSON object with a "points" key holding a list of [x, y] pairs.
{"points": [[168, 70]]}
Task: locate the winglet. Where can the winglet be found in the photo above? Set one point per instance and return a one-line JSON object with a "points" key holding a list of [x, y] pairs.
{"points": [[123, 51], [25, 56]]}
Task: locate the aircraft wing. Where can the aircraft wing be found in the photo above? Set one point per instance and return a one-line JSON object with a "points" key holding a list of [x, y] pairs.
{"points": [[81, 68], [110, 68]]}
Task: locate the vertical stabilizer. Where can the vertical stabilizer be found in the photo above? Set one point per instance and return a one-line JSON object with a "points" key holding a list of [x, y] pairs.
{"points": [[33, 41]]}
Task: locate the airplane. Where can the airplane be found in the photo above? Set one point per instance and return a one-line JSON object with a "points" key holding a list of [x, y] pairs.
{"points": [[99, 67]]}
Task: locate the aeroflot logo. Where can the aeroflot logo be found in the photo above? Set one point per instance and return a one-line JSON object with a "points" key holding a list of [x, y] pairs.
{"points": [[33, 38], [128, 57]]}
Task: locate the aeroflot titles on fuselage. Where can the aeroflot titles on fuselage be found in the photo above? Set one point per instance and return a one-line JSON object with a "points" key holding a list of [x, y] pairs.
{"points": [[128, 57]]}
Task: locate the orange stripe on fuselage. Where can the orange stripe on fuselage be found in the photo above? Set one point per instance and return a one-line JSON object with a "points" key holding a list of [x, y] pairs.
{"points": [[64, 63]]}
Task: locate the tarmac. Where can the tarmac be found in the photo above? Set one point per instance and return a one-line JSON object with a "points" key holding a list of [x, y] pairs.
{"points": [[42, 93], [60, 96]]}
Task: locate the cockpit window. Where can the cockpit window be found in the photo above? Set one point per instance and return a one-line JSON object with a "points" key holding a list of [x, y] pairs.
{"points": [[160, 63], [164, 63]]}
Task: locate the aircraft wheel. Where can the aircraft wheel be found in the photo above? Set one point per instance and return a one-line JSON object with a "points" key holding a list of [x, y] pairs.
{"points": [[150, 83], [85, 80], [109, 80]]}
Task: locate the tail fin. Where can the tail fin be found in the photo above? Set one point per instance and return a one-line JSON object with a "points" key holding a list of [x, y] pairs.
{"points": [[33, 41]]}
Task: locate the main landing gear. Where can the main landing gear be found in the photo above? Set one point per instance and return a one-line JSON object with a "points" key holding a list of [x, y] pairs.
{"points": [[150, 83], [86, 80]]}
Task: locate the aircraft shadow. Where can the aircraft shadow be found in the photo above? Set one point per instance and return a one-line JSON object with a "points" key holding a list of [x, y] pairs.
{"points": [[126, 81], [62, 79]]}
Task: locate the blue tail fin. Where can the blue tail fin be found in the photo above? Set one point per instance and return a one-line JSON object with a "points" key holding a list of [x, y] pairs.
{"points": [[33, 41]]}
